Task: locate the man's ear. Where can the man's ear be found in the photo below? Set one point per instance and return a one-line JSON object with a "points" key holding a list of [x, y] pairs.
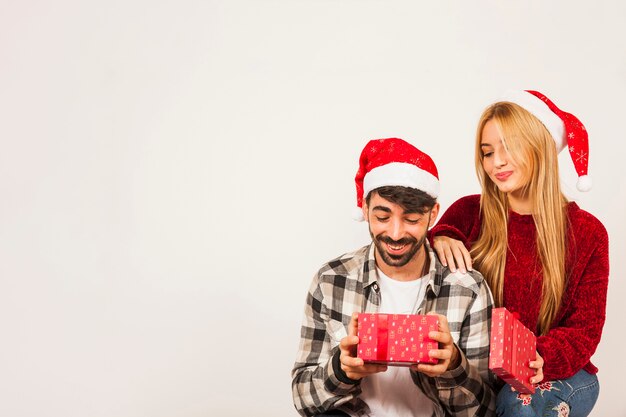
{"points": [[434, 212]]}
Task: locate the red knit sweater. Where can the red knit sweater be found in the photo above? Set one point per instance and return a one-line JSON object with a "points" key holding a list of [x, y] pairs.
{"points": [[575, 334]]}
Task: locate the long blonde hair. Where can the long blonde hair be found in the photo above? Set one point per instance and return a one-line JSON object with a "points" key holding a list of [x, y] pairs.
{"points": [[533, 150]]}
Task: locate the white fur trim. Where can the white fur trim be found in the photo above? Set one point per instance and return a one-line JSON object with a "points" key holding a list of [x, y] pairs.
{"points": [[357, 214], [541, 111], [402, 174], [584, 183]]}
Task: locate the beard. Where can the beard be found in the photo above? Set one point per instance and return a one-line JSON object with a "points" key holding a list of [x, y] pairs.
{"points": [[397, 260]]}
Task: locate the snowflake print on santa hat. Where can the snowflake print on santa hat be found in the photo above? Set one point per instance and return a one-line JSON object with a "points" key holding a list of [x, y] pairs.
{"points": [[564, 127]]}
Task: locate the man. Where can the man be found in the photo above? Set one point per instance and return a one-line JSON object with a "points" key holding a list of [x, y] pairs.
{"points": [[397, 186]]}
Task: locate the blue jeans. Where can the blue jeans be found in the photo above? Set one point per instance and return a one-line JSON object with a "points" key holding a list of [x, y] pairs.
{"points": [[572, 397]]}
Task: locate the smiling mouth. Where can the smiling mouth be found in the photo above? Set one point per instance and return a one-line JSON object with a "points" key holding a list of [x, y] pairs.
{"points": [[395, 247], [504, 175]]}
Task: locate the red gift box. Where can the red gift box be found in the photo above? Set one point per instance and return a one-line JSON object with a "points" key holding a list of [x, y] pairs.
{"points": [[396, 339], [513, 346]]}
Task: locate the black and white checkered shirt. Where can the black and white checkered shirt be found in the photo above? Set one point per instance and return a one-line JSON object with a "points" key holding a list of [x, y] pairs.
{"points": [[349, 284]]}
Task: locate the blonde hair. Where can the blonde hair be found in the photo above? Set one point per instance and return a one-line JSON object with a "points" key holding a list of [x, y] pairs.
{"points": [[532, 148]]}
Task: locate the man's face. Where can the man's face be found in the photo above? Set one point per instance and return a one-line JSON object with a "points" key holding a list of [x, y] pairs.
{"points": [[398, 235]]}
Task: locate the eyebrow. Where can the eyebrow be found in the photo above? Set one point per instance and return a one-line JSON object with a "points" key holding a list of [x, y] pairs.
{"points": [[388, 210], [485, 144]]}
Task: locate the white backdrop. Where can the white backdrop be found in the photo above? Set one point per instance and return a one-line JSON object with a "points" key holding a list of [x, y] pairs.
{"points": [[173, 173]]}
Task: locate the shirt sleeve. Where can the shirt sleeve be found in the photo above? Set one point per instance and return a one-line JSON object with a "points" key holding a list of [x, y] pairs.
{"points": [[316, 386], [569, 345]]}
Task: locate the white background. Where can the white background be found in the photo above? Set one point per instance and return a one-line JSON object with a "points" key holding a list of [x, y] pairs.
{"points": [[173, 173]]}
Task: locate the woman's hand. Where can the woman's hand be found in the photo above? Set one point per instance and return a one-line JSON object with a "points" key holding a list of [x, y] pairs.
{"points": [[452, 253], [538, 365]]}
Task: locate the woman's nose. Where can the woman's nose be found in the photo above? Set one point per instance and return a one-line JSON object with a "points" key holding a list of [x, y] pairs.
{"points": [[500, 159]]}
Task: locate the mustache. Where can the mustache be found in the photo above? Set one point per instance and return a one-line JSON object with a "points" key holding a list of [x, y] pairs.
{"points": [[390, 241]]}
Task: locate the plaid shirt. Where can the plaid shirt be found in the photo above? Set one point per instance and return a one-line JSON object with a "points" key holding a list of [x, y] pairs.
{"points": [[349, 284]]}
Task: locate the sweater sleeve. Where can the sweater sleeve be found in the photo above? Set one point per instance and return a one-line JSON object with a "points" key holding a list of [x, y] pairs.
{"points": [[569, 345], [459, 220]]}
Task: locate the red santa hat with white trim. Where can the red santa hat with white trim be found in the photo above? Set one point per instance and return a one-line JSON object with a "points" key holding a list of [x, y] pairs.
{"points": [[565, 128], [393, 162]]}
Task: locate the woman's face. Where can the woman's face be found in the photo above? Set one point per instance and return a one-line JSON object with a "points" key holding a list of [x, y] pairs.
{"points": [[497, 162]]}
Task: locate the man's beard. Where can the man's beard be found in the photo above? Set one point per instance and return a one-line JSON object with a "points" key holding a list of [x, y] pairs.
{"points": [[397, 260]]}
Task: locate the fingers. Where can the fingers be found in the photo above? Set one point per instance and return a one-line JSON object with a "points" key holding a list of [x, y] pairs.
{"points": [[347, 357], [355, 368], [447, 354], [467, 258], [432, 370], [441, 354], [461, 255], [451, 259], [442, 335], [537, 378], [444, 338], [348, 344], [354, 325], [459, 259], [445, 252], [538, 365], [452, 253], [362, 372], [443, 322], [441, 250]]}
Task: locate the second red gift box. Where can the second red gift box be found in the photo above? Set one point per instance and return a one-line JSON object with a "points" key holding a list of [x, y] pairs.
{"points": [[513, 346]]}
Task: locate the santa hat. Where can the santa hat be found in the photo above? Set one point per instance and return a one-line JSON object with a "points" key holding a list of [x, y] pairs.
{"points": [[393, 162], [564, 127]]}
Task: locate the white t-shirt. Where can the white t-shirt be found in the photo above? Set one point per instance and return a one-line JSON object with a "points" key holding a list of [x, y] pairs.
{"points": [[393, 393]]}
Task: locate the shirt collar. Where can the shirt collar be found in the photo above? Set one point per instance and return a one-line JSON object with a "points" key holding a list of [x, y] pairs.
{"points": [[369, 268], [435, 271]]}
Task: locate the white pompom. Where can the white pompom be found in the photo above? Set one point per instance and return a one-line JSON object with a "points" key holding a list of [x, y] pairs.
{"points": [[357, 214], [584, 183]]}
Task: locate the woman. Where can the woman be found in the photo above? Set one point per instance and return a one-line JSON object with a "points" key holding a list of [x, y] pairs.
{"points": [[544, 257]]}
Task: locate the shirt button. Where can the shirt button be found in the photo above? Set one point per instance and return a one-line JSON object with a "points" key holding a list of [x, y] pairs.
{"points": [[375, 287]]}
